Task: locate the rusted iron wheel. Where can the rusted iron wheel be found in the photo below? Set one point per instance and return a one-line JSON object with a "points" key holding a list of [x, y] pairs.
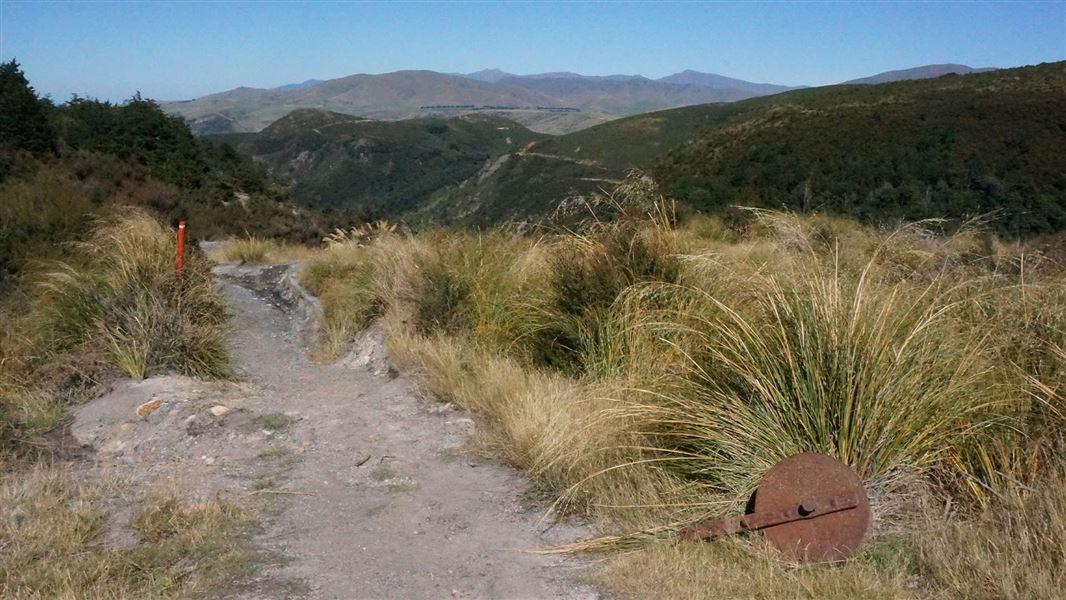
{"points": [[811, 478]]}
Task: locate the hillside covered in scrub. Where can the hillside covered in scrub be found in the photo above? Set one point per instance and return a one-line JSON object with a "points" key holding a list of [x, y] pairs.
{"points": [[63, 166], [377, 168], [957, 147], [954, 146]]}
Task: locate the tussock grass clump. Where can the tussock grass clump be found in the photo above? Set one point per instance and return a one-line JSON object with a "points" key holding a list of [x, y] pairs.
{"points": [[256, 250], [588, 274], [343, 277], [114, 305], [248, 250], [879, 377], [128, 300], [444, 302]]}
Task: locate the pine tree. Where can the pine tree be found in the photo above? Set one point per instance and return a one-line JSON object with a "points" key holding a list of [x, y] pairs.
{"points": [[23, 122]]}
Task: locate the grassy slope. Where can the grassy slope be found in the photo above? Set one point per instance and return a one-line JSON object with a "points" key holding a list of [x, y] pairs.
{"points": [[934, 365]]}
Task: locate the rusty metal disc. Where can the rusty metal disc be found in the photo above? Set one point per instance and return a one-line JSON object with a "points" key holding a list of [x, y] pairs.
{"points": [[803, 478]]}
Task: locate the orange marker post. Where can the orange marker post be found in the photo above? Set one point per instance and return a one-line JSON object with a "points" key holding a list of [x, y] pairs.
{"points": [[181, 247]]}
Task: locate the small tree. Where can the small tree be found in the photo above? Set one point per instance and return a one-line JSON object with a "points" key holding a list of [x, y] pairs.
{"points": [[23, 122]]}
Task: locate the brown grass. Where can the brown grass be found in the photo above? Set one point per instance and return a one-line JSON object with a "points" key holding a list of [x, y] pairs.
{"points": [[54, 544], [644, 375]]}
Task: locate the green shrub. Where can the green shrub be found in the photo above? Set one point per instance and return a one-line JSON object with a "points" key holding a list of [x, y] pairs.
{"points": [[587, 277], [443, 302]]}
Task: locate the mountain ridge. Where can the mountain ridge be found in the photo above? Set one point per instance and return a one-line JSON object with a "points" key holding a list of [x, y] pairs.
{"points": [[554, 103], [920, 72]]}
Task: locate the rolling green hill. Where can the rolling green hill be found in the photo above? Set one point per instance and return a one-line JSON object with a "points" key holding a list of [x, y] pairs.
{"points": [[378, 168], [954, 146]]}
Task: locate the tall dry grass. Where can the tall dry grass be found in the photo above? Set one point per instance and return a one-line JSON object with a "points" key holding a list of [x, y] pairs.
{"points": [[126, 298], [113, 305], [645, 373], [258, 250], [53, 531]]}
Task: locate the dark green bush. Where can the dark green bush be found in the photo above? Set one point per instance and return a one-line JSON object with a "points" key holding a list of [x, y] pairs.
{"points": [[443, 304], [587, 278]]}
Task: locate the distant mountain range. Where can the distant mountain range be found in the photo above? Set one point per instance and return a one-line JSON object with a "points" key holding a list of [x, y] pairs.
{"points": [[553, 103]]}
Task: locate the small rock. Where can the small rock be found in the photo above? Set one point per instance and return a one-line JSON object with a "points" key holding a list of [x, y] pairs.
{"points": [[149, 407], [219, 411], [210, 460], [442, 409]]}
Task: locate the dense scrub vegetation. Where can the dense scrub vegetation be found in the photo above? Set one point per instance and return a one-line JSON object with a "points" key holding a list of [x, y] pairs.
{"points": [[951, 147], [646, 369], [903, 153], [377, 168], [62, 166]]}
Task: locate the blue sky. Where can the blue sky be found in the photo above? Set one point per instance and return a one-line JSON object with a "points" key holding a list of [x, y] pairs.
{"points": [[187, 49]]}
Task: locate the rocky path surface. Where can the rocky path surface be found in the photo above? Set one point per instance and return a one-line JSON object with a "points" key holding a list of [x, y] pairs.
{"points": [[374, 496]]}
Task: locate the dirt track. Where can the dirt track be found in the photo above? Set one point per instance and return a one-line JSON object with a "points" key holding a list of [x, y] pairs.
{"points": [[373, 494]]}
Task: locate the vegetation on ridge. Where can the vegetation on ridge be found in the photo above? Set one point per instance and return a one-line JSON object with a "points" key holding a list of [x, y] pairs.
{"points": [[951, 147], [85, 156], [377, 168]]}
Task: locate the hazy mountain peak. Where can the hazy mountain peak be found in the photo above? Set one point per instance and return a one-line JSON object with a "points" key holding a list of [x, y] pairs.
{"points": [[488, 75], [713, 80], [299, 86], [922, 72]]}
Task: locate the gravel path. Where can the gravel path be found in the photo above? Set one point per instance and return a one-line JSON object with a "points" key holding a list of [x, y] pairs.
{"points": [[380, 500]]}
